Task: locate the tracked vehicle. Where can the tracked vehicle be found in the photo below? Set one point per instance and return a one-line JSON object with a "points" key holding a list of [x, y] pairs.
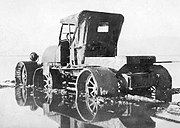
{"points": [[71, 68]]}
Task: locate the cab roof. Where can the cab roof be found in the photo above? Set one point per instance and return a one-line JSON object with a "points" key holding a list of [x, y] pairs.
{"points": [[86, 14]]}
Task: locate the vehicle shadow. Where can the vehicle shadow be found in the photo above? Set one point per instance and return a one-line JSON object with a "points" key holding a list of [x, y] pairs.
{"points": [[129, 115]]}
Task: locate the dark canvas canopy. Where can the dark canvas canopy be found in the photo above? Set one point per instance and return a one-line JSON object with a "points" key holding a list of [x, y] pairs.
{"points": [[97, 31]]}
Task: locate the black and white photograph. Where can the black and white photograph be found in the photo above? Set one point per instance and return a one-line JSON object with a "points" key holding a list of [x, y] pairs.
{"points": [[89, 64]]}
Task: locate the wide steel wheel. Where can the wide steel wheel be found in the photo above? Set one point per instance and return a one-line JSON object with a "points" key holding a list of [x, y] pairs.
{"points": [[163, 83], [94, 83], [23, 87], [45, 86], [24, 72], [86, 96]]}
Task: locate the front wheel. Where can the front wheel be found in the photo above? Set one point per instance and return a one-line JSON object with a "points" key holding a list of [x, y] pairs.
{"points": [[23, 76], [45, 85], [24, 72]]}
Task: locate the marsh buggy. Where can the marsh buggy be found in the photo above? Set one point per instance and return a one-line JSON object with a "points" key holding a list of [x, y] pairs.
{"points": [[65, 72]]}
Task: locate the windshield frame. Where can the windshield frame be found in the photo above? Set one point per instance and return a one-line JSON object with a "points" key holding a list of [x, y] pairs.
{"points": [[68, 30]]}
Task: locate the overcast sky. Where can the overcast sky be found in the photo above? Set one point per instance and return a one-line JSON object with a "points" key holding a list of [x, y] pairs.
{"points": [[150, 26]]}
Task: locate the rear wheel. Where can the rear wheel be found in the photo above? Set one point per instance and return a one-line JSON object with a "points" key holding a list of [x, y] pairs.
{"points": [[93, 84], [163, 83], [155, 92], [86, 96]]}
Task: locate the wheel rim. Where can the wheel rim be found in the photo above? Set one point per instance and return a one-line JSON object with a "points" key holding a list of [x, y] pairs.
{"points": [[91, 94], [48, 86], [24, 75]]}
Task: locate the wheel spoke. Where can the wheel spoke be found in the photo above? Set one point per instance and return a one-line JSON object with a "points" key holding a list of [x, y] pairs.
{"points": [[94, 108], [93, 84], [91, 104], [153, 88], [153, 92], [91, 88], [48, 88], [48, 81], [48, 97], [92, 94], [91, 100], [91, 91]]}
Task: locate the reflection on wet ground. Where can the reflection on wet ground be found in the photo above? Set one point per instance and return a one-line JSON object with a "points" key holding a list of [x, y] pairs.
{"points": [[112, 115]]}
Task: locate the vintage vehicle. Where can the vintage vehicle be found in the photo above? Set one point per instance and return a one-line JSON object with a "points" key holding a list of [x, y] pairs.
{"points": [[66, 117], [71, 68]]}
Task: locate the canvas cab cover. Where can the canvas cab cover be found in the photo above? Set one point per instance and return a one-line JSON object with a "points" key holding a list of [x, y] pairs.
{"points": [[97, 32]]}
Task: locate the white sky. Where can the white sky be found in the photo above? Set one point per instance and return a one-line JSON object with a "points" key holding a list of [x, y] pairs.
{"points": [[150, 27]]}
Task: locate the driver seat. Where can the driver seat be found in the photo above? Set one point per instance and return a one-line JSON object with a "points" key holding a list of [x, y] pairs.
{"points": [[64, 53]]}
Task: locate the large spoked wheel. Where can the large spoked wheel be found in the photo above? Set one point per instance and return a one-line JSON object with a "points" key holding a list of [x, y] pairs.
{"points": [[24, 72], [86, 96], [44, 86], [23, 75]]}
